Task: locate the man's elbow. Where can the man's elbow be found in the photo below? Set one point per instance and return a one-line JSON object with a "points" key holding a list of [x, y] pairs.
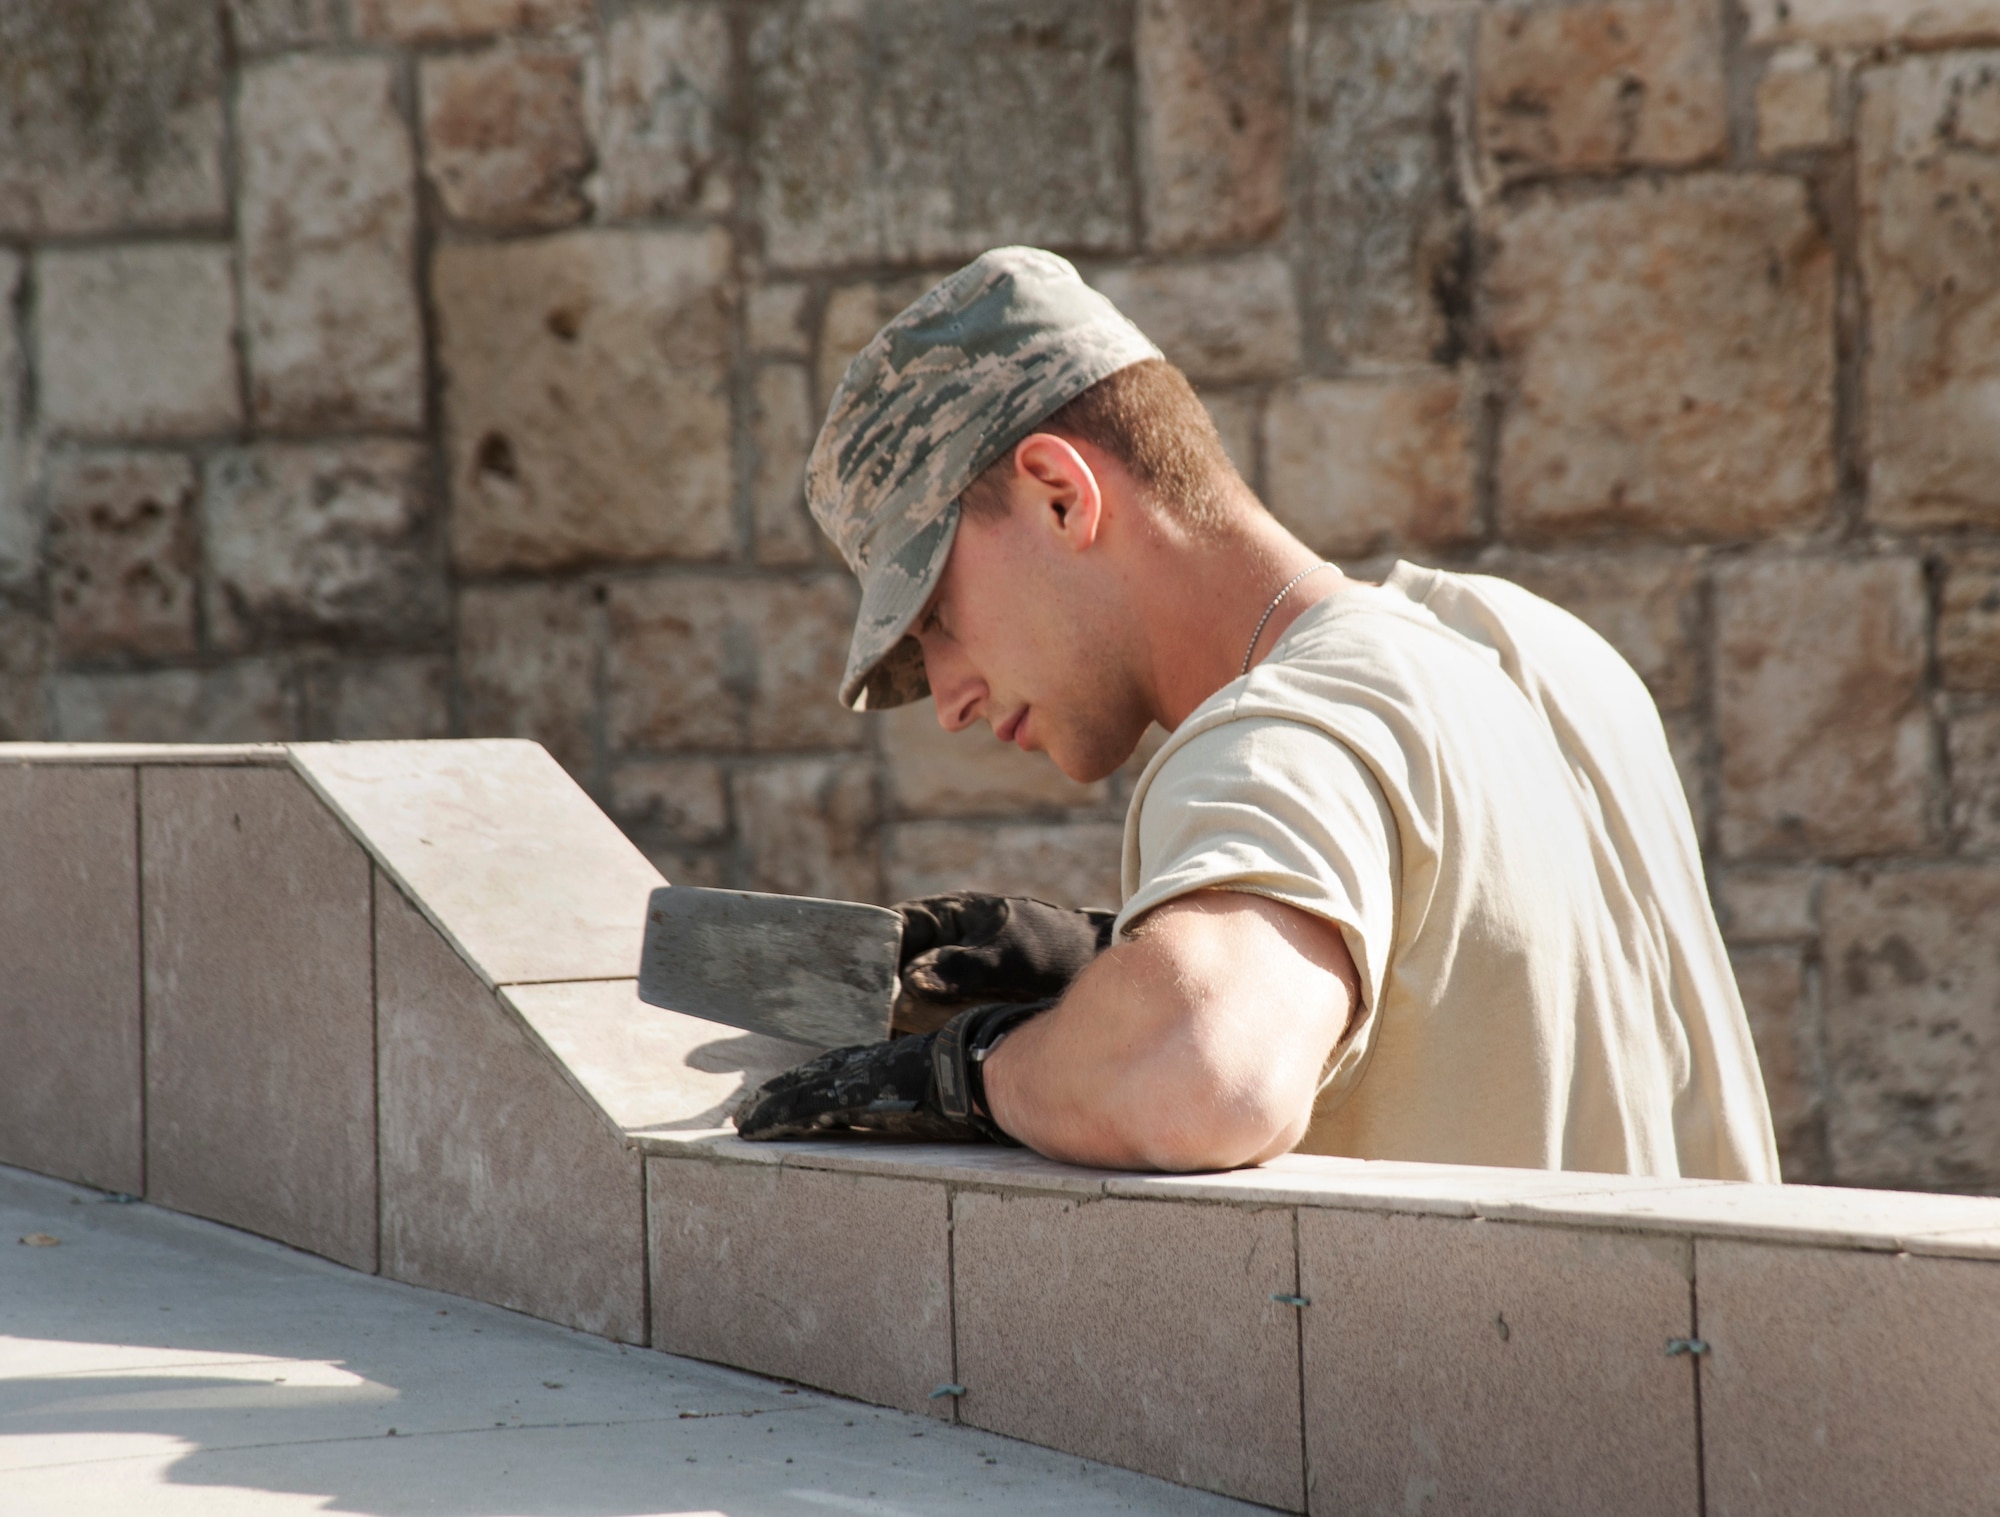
{"points": [[1212, 1130]]}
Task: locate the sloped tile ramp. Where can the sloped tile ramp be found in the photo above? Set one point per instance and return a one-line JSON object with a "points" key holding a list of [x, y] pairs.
{"points": [[376, 1000]]}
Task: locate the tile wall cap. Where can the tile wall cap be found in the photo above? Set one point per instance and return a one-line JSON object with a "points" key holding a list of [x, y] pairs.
{"points": [[716, 1145], [267, 754], [498, 847], [953, 1163], [1889, 1221], [645, 1068], [1975, 1243], [1375, 1185]]}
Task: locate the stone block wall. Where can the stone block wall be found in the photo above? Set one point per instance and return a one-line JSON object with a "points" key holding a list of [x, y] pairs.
{"points": [[405, 368]]}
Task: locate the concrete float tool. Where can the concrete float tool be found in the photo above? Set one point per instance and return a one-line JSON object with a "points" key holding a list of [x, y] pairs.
{"points": [[788, 966]]}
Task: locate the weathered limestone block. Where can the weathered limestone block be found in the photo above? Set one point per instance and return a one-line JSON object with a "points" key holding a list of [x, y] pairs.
{"points": [[250, 701], [137, 342], [1795, 102], [1767, 904], [1913, 1027], [666, 95], [262, 25], [447, 20], [711, 662], [1973, 741], [854, 314], [774, 319], [1239, 420], [113, 115], [809, 827], [587, 398], [328, 223], [1644, 604], [782, 426], [1223, 321], [1071, 863], [1968, 633], [1871, 23], [363, 700], [527, 666], [1356, 465], [1671, 351], [122, 554], [1773, 984], [1600, 86], [26, 646], [934, 773], [686, 800], [1214, 119], [1819, 701], [321, 540], [1929, 171], [1385, 241], [888, 132], [504, 136], [19, 531]]}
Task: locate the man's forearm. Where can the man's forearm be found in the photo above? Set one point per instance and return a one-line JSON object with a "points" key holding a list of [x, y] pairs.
{"points": [[1196, 1046]]}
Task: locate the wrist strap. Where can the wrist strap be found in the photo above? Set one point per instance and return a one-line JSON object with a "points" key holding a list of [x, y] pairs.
{"points": [[958, 1054]]}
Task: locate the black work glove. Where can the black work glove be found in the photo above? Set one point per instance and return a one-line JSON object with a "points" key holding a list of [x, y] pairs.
{"points": [[962, 949], [914, 1087]]}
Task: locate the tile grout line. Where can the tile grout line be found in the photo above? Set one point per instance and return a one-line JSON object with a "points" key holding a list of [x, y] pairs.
{"points": [[645, 1253], [375, 1040], [1299, 1318], [1694, 1332], [951, 1291], [139, 905]]}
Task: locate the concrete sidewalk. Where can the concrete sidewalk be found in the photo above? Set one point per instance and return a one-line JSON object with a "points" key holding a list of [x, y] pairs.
{"points": [[152, 1363]]}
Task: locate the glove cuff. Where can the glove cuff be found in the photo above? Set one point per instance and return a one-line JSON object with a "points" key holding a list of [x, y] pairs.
{"points": [[958, 1054]]}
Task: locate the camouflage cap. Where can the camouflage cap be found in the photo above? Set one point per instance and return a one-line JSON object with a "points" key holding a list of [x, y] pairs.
{"points": [[944, 390]]}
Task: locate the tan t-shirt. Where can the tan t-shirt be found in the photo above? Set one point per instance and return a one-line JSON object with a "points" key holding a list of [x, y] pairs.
{"points": [[1475, 788]]}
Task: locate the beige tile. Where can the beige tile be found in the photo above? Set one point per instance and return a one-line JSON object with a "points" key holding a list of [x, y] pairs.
{"points": [[1453, 1190], [1844, 1383], [70, 1070], [260, 1080], [1862, 1219], [838, 1281], [987, 1165], [498, 1181], [644, 1066], [1471, 1366], [270, 755], [506, 856], [1140, 1334]]}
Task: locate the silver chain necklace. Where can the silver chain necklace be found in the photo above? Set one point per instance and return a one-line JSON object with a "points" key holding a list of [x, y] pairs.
{"points": [[1266, 617]]}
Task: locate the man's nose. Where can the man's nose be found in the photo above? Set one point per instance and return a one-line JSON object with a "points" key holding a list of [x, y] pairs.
{"points": [[956, 690]]}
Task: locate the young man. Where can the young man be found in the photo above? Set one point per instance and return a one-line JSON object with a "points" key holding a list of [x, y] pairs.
{"points": [[1413, 877]]}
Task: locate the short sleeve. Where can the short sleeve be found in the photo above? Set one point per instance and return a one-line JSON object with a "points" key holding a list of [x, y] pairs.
{"points": [[1280, 809]]}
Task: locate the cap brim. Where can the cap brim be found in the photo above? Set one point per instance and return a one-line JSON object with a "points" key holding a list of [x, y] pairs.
{"points": [[885, 666]]}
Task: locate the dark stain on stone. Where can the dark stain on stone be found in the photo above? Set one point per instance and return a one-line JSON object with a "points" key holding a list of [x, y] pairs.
{"points": [[496, 456], [102, 80]]}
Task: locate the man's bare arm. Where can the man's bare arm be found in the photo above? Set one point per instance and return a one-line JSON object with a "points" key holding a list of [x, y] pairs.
{"points": [[1197, 1044]]}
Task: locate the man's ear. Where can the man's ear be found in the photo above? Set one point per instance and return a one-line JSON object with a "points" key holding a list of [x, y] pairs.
{"points": [[1064, 488]]}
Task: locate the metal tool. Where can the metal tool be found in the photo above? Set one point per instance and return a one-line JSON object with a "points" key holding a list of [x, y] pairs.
{"points": [[811, 971]]}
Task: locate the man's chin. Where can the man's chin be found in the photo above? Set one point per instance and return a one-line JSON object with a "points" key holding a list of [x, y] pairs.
{"points": [[1089, 764]]}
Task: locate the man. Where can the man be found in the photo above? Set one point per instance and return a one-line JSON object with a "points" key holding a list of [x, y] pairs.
{"points": [[1412, 877]]}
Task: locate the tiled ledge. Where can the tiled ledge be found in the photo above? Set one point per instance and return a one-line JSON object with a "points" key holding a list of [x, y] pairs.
{"points": [[1945, 1226], [376, 1000]]}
